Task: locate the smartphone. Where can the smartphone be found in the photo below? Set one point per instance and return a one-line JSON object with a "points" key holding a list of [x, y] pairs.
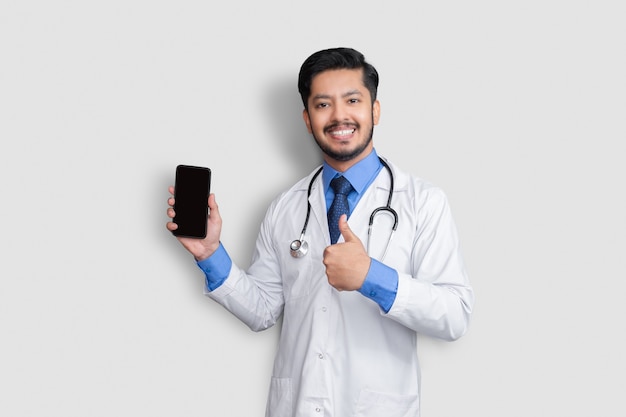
{"points": [[191, 193]]}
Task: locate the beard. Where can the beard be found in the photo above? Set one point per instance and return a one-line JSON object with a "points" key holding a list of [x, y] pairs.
{"points": [[345, 155]]}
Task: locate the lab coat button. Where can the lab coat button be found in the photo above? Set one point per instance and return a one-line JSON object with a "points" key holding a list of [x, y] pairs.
{"points": [[320, 356], [318, 409], [324, 309]]}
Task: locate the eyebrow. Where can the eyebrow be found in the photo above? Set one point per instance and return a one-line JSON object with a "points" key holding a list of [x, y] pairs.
{"points": [[344, 95]]}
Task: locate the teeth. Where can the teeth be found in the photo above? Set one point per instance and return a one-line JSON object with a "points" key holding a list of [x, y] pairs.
{"points": [[343, 132]]}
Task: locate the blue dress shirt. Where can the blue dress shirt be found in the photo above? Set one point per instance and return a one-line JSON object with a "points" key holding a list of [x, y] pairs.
{"points": [[381, 281]]}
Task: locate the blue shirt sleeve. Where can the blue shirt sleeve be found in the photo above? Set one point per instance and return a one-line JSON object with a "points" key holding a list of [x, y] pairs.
{"points": [[216, 268], [381, 285]]}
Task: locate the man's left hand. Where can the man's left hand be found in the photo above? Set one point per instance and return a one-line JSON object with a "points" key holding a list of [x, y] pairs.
{"points": [[346, 263]]}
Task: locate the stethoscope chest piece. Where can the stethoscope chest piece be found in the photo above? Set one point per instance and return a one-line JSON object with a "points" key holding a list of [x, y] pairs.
{"points": [[298, 248]]}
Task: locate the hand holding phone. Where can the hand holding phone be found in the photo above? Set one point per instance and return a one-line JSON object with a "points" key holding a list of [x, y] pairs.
{"points": [[191, 193]]}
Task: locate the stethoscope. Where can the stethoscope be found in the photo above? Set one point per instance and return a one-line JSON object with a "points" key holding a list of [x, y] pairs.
{"points": [[300, 247]]}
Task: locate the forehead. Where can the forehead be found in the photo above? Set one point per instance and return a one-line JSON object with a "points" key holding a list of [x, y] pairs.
{"points": [[339, 81]]}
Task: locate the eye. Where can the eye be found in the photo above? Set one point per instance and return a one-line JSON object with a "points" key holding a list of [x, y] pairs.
{"points": [[321, 105], [353, 100]]}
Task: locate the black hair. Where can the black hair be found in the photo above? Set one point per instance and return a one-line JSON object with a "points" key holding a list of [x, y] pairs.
{"points": [[333, 59]]}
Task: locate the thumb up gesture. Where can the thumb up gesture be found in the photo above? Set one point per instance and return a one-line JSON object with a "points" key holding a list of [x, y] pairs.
{"points": [[346, 263]]}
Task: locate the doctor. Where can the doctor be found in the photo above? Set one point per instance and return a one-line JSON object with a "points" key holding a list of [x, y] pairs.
{"points": [[351, 315]]}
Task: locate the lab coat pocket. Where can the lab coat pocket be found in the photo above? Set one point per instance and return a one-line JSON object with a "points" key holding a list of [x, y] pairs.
{"points": [[280, 401], [376, 404]]}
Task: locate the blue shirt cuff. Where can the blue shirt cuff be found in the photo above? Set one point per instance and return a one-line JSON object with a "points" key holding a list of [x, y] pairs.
{"points": [[216, 268], [380, 285]]}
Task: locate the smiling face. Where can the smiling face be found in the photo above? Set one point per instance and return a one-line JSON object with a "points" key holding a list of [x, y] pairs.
{"points": [[341, 117]]}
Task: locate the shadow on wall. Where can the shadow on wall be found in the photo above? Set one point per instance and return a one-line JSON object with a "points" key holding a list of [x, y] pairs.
{"points": [[283, 108]]}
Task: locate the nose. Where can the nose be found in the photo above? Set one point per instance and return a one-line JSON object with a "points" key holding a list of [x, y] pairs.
{"points": [[340, 112]]}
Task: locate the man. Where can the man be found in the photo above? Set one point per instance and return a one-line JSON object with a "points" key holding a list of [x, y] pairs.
{"points": [[351, 310]]}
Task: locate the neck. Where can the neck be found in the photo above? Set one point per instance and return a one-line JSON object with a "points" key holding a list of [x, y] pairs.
{"points": [[343, 166]]}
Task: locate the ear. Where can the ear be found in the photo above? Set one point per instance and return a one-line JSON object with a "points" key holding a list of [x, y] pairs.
{"points": [[376, 111], [307, 120]]}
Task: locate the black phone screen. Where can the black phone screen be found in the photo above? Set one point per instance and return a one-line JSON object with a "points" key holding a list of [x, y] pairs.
{"points": [[191, 193]]}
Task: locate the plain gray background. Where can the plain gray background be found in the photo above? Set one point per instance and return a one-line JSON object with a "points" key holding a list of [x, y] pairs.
{"points": [[516, 109]]}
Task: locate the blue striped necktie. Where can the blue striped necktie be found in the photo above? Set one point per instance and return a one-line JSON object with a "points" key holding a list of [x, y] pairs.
{"points": [[342, 188]]}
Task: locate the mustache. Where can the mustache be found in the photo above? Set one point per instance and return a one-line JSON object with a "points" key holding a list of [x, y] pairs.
{"points": [[337, 124]]}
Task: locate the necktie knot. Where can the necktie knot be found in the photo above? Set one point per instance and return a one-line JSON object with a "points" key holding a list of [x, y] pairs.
{"points": [[341, 185], [342, 188]]}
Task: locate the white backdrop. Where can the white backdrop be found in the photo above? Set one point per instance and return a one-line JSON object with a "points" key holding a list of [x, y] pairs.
{"points": [[516, 109]]}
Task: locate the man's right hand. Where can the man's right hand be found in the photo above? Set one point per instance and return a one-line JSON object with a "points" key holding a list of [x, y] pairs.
{"points": [[199, 248]]}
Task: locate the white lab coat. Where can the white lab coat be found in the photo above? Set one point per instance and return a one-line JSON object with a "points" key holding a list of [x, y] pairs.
{"points": [[339, 354]]}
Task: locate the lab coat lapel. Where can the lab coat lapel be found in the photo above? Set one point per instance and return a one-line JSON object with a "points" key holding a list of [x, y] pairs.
{"points": [[318, 210]]}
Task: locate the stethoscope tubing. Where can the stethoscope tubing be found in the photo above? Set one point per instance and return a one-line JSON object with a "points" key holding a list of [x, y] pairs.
{"points": [[299, 247]]}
